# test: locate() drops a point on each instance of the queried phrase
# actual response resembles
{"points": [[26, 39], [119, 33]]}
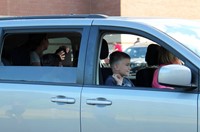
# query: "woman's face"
{"points": [[177, 61]]}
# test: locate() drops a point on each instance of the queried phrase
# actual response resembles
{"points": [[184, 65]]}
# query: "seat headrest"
{"points": [[104, 50], [152, 54]]}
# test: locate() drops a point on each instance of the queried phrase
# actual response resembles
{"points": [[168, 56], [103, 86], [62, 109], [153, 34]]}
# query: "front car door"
{"points": [[137, 109]]}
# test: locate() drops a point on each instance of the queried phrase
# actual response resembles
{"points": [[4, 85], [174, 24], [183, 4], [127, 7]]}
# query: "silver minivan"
{"points": [[74, 98]]}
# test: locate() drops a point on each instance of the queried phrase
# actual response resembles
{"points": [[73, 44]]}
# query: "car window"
{"points": [[17, 50], [134, 45]]}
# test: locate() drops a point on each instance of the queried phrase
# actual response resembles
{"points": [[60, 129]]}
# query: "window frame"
{"points": [[98, 31], [83, 30]]}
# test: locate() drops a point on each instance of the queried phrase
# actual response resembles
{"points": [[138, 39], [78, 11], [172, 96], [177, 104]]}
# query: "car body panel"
{"points": [[45, 22], [29, 108], [138, 110]]}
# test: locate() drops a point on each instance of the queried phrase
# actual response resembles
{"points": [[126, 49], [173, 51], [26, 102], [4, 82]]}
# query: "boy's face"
{"points": [[123, 67]]}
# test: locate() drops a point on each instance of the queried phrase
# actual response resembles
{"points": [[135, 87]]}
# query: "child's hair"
{"points": [[50, 60], [166, 57], [117, 56]]}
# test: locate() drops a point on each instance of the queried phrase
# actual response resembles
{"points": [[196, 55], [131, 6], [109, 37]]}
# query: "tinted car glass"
{"points": [[16, 58]]}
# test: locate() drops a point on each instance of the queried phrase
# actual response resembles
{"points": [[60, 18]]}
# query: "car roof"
{"points": [[100, 19], [59, 16], [92, 16]]}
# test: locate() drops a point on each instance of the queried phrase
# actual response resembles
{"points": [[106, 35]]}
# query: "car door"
{"points": [[37, 107], [121, 109], [42, 98], [136, 109]]}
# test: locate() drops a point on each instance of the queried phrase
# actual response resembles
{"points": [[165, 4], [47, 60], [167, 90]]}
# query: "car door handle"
{"points": [[98, 101], [63, 99]]}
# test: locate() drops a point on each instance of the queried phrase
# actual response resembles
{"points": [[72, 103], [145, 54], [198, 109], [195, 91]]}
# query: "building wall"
{"points": [[108, 7], [188, 9], [43, 7], [139, 8]]}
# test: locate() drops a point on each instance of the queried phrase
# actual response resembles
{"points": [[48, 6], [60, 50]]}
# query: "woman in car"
{"points": [[165, 58]]}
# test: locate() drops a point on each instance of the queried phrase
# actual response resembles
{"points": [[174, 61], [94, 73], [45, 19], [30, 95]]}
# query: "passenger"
{"points": [[164, 58], [120, 65], [40, 43], [51, 60]]}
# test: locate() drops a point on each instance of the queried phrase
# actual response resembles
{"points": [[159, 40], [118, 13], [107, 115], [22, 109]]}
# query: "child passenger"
{"points": [[120, 65], [51, 60]]}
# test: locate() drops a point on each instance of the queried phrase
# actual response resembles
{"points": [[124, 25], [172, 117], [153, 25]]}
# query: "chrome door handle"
{"points": [[63, 99], [98, 101]]}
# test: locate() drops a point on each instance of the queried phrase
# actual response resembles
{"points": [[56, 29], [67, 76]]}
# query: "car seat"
{"points": [[20, 57], [104, 72], [144, 77]]}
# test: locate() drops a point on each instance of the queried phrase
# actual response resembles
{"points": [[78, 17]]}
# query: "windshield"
{"points": [[185, 31]]}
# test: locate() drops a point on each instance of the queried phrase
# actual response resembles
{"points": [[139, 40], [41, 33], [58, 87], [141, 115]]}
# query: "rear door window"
{"points": [[21, 49]]}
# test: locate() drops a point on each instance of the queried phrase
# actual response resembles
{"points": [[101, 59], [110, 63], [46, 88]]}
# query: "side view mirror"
{"points": [[175, 75]]}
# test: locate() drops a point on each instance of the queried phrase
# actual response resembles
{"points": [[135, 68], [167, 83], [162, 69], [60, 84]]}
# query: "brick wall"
{"points": [[43, 7], [108, 7]]}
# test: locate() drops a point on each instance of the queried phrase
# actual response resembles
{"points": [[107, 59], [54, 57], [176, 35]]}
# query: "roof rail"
{"points": [[55, 16], [88, 15]]}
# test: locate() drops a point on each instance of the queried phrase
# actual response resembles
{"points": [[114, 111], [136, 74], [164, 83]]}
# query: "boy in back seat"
{"points": [[120, 65]]}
